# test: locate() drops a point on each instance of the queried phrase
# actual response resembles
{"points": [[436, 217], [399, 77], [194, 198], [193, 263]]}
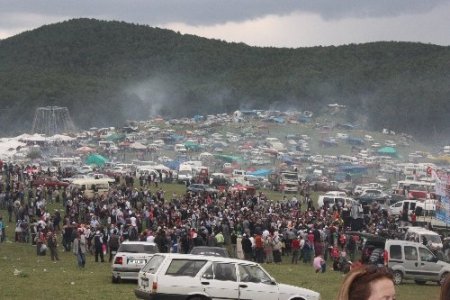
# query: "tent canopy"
{"points": [[387, 151], [96, 159], [261, 172]]}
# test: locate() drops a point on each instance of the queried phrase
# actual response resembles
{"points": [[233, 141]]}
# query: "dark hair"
{"points": [[355, 285], [445, 289]]}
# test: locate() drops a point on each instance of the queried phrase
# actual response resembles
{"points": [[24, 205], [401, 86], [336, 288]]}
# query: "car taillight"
{"points": [[154, 287], [118, 260], [386, 257]]}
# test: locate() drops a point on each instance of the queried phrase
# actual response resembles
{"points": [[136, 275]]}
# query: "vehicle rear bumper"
{"points": [[131, 274]]}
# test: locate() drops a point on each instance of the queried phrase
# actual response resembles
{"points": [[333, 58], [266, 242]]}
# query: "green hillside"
{"points": [[109, 72]]}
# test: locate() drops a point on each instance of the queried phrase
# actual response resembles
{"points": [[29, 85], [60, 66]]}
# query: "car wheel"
{"points": [[115, 279], [442, 279], [421, 282], [398, 277]]}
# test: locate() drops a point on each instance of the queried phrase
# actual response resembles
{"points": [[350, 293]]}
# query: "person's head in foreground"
{"points": [[368, 282], [445, 289]]}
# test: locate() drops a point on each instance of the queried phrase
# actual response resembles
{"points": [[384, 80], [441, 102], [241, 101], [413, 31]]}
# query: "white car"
{"points": [[130, 258], [195, 277]]}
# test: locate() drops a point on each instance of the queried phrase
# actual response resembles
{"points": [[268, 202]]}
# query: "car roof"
{"points": [[138, 243], [404, 242], [204, 257]]}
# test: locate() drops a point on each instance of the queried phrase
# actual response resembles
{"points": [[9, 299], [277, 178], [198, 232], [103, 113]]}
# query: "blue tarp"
{"points": [[353, 169], [260, 172]]}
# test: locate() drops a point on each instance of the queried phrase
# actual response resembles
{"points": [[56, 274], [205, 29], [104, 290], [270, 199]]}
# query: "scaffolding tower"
{"points": [[51, 120]]}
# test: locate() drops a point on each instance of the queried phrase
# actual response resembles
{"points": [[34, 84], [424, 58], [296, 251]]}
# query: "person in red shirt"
{"points": [[295, 247], [413, 218]]}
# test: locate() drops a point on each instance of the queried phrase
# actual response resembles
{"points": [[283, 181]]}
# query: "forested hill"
{"points": [[108, 72]]}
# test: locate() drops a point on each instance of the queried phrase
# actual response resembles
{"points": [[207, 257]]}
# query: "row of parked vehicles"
{"points": [[205, 273]]}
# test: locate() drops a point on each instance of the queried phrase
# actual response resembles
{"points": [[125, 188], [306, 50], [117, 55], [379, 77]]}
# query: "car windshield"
{"points": [[433, 238], [138, 248]]}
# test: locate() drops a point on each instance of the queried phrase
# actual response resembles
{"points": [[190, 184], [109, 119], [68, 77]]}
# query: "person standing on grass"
{"points": [[114, 242], [2, 230], [79, 248], [98, 246], [52, 245], [295, 247]]}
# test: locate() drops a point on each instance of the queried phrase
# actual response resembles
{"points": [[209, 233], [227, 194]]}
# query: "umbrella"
{"points": [[85, 149], [96, 159]]}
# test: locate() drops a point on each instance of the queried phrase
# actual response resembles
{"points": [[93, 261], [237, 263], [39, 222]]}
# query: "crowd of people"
{"points": [[252, 227]]}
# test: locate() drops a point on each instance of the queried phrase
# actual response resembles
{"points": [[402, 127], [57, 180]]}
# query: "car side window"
{"points": [[153, 264], [395, 252], [410, 253], [185, 267], [209, 274], [251, 273], [224, 271], [425, 254]]}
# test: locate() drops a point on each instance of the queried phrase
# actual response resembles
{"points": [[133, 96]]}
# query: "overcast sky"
{"points": [[277, 23]]}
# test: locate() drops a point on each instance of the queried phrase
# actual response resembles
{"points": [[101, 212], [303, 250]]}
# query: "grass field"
{"points": [[37, 277], [40, 278]]}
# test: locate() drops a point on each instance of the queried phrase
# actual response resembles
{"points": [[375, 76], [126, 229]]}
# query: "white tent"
{"points": [[137, 146], [8, 147], [61, 138]]}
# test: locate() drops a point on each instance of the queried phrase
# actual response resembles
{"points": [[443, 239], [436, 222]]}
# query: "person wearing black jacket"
{"points": [[247, 247]]}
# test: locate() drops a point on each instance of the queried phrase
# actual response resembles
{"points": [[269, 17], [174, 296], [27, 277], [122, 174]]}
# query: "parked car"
{"points": [[130, 258], [210, 251], [49, 182], [198, 188], [196, 277]]}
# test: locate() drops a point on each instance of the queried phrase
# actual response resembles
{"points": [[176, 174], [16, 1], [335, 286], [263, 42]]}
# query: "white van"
{"points": [[91, 187], [427, 207], [397, 208], [422, 235], [335, 197], [407, 259]]}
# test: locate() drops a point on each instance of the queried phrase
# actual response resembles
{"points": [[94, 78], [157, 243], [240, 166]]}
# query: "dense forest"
{"points": [[108, 72]]}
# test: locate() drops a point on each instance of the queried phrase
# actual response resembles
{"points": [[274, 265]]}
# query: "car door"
{"points": [[430, 268], [255, 283], [412, 263], [219, 281]]}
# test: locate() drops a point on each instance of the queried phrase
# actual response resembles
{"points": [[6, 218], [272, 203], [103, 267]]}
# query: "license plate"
{"points": [[144, 283], [137, 261]]}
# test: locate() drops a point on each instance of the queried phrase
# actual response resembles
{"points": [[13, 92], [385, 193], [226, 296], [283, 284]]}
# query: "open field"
{"points": [[39, 278]]}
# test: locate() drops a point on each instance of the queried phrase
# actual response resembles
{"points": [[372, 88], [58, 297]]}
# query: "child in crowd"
{"points": [[319, 264]]}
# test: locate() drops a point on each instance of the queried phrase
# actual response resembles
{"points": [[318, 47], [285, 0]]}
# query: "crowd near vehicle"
{"points": [[409, 260], [210, 251], [130, 258], [91, 187], [195, 277], [285, 181]]}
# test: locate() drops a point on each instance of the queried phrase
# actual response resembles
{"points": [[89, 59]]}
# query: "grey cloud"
{"points": [[207, 12]]}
